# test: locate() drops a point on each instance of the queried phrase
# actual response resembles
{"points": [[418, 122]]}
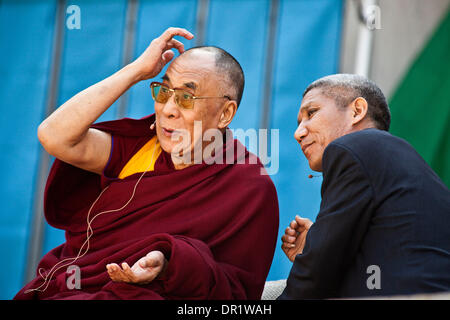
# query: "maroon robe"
{"points": [[216, 224]]}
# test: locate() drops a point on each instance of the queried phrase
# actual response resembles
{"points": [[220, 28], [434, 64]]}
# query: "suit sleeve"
{"points": [[334, 239]]}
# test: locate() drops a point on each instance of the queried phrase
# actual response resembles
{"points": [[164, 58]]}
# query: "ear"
{"points": [[359, 108], [228, 112]]}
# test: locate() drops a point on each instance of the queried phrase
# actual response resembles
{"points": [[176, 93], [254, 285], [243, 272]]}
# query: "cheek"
{"points": [[327, 129], [337, 130], [208, 116], [316, 151], [166, 144]]}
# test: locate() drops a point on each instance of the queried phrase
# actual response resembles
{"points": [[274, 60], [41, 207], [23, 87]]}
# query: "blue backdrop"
{"points": [[304, 46]]}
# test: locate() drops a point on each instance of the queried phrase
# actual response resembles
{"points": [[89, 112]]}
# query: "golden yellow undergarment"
{"points": [[143, 160]]}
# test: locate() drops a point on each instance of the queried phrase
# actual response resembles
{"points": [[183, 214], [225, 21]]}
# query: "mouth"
{"points": [[167, 131], [306, 146]]}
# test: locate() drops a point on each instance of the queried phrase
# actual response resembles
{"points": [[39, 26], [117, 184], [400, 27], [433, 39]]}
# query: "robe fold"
{"points": [[216, 224]]}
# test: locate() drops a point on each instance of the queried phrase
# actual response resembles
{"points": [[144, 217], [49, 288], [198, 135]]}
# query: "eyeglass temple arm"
{"points": [[195, 97]]}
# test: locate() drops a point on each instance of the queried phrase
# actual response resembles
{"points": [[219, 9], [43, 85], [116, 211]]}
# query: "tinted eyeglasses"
{"points": [[161, 93]]}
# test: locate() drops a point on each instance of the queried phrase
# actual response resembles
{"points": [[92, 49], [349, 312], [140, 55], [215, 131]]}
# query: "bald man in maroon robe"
{"points": [[140, 223]]}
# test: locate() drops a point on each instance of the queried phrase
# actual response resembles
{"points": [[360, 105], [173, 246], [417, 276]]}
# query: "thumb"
{"points": [[152, 259], [167, 56], [303, 222], [148, 262]]}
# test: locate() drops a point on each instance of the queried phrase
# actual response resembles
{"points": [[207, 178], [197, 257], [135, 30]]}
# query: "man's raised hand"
{"points": [[159, 53], [293, 240], [144, 271]]}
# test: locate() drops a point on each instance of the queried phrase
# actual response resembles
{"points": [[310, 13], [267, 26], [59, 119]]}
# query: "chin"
{"points": [[315, 165], [315, 168], [167, 146], [176, 149]]}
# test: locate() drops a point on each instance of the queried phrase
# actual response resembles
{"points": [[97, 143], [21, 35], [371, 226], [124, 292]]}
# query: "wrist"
{"points": [[161, 275], [134, 73]]}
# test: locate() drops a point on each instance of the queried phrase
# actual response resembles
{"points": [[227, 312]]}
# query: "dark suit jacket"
{"points": [[382, 207]]}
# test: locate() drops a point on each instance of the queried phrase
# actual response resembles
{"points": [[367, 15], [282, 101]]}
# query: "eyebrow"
{"points": [[303, 109], [166, 78], [190, 85]]}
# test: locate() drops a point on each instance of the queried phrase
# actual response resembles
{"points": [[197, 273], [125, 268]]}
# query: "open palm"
{"points": [[144, 271]]}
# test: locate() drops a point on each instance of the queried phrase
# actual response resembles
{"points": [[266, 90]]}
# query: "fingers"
{"points": [[289, 238], [142, 272], [115, 273], [166, 41], [112, 269], [128, 272], [118, 274], [287, 246], [172, 32], [173, 43], [294, 224], [290, 232], [288, 242]]}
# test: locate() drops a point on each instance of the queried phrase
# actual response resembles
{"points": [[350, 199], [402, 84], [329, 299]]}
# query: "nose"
{"points": [[170, 108], [300, 133]]}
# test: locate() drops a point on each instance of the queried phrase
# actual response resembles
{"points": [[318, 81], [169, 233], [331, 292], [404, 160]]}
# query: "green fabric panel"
{"points": [[420, 106]]}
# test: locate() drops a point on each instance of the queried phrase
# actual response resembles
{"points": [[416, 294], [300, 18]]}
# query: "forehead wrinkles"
{"points": [[319, 97], [306, 103], [183, 70]]}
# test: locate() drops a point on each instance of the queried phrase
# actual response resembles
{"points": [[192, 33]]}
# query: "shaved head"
{"points": [[227, 67]]}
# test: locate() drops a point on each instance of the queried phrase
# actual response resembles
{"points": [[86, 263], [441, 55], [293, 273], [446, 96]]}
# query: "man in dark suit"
{"points": [[384, 221]]}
